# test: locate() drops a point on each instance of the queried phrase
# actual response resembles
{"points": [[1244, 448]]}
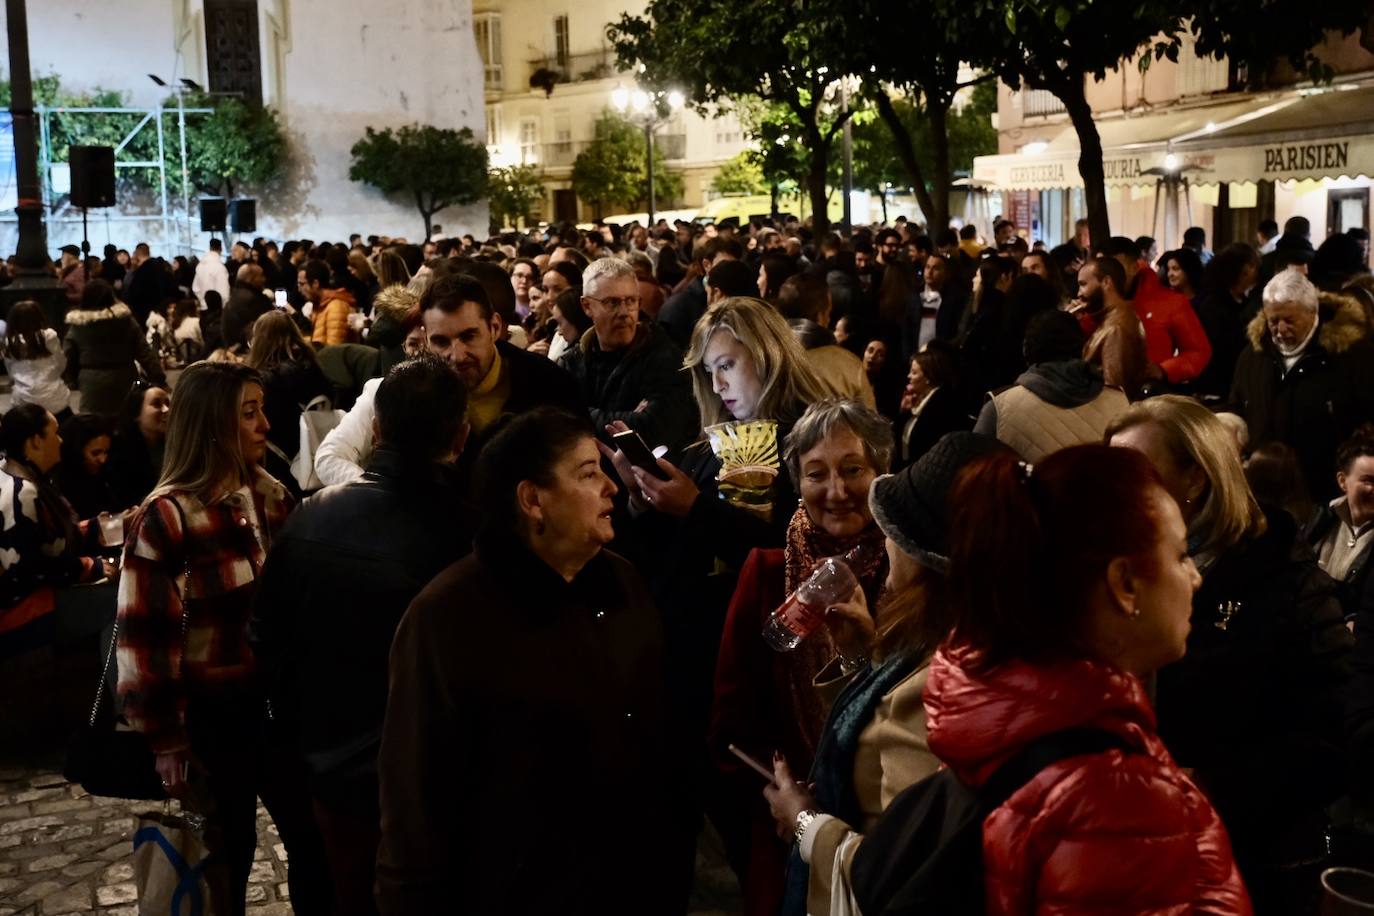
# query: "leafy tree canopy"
{"points": [[435, 167], [740, 175], [610, 171], [512, 193], [782, 51]]}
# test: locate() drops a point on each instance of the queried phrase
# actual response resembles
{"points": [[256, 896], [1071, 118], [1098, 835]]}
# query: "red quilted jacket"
{"points": [[1121, 833]]}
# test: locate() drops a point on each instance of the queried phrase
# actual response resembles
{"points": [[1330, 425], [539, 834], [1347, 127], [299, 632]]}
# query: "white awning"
{"points": [[1297, 134]]}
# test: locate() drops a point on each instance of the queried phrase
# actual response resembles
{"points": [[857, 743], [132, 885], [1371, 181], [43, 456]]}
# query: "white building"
{"points": [[332, 68], [1185, 144], [540, 40]]}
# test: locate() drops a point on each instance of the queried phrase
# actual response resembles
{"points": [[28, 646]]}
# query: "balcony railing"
{"points": [[573, 68], [561, 154], [1040, 102]]}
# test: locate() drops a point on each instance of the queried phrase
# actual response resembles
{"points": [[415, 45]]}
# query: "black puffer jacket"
{"points": [[613, 384], [340, 575], [1318, 403], [1255, 707]]}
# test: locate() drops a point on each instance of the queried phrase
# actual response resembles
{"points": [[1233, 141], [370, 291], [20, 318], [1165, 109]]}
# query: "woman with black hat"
{"points": [[874, 744]]}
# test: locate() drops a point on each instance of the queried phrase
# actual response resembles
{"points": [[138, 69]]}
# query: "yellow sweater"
{"points": [[488, 399]]}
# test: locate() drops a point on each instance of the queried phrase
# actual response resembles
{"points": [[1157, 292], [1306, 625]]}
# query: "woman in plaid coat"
{"points": [[186, 671]]}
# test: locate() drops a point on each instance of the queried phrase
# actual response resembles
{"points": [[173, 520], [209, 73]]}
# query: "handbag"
{"points": [[106, 757], [318, 419], [173, 867]]}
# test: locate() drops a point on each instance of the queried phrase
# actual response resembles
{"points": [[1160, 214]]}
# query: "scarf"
{"points": [[807, 545], [833, 771]]}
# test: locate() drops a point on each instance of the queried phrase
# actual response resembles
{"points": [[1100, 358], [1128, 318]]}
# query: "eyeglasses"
{"points": [[617, 303]]}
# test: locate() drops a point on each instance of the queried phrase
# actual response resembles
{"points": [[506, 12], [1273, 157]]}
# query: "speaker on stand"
{"points": [[212, 215], [243, 215], [92, 170]]}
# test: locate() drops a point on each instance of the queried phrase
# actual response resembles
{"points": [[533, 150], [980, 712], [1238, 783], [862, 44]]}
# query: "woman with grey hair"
{"points": [[764, 700]]}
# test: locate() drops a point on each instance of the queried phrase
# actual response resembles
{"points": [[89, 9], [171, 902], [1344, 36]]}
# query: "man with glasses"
{"points": [[629, 370]]}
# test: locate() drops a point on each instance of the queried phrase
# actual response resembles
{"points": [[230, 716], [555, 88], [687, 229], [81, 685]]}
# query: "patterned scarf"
{"points": [[807, 545]]}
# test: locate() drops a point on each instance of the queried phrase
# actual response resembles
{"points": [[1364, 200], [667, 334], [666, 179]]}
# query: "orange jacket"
{"points": [[330, 318]]}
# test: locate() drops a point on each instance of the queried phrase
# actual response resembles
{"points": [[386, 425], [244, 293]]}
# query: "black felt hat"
{"points": [[911, 506]]}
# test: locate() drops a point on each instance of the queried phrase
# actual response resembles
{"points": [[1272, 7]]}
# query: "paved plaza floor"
{"points": [[63, 851]]}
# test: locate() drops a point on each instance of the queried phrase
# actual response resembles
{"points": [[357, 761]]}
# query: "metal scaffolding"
{"points": [[56, 208]]}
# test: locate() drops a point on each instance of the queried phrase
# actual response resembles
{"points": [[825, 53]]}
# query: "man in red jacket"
{"points": [[1176, 344]]}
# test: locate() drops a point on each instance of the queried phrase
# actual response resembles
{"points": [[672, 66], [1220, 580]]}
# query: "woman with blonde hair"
{"points": [[691, 534], [187, 678], [1255, 707], [390, 269]]}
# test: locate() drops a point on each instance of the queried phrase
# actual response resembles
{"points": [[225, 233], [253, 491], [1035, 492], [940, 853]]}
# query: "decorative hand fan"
{"points": [[748, 453]]}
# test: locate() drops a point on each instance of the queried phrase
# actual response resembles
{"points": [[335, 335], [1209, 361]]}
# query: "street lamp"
{"points": [[650, 110]]}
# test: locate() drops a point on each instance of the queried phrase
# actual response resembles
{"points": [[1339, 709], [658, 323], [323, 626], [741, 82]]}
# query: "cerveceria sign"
{"points": [[1048, 172], [1299, 156]]}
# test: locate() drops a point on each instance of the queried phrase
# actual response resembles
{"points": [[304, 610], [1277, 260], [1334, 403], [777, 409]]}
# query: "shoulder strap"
{"points": [[1027, 763], [114, 632]]}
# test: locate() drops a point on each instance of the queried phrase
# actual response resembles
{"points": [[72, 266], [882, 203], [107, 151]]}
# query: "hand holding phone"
{"points": [[279, 298], [634, 449]]}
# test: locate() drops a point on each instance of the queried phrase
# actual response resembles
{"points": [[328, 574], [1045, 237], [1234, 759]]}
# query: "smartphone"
{"points": [[638, 453], [280, 299], [752, 763]]}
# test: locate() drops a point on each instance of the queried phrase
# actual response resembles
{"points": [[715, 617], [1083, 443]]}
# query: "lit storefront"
{"points": [[1224, 167]]}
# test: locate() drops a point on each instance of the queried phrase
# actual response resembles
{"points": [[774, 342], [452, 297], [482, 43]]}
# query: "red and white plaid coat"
{"points": [[210, 551]]}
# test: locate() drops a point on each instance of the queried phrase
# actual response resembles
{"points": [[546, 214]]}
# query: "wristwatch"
{"points": [[804, 819]]}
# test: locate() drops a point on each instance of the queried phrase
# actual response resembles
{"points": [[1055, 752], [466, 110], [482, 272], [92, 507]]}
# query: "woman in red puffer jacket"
{"points": [[1093, 593]]}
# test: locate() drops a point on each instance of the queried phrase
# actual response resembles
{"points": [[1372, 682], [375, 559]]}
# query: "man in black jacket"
{"points": [[336, 583], [629, 370], [1306, 377]]}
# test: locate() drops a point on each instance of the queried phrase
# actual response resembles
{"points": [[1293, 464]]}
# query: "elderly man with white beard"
{"points": [[1307, 377]]}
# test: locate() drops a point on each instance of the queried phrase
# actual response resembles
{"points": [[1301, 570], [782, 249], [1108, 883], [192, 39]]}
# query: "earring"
{"points": [[1134, 612]]}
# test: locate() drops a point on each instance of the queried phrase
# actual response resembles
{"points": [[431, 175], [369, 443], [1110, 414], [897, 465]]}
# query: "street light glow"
{"points": [[676, 99], [639, 101], [1171, 162], [620, 97]]}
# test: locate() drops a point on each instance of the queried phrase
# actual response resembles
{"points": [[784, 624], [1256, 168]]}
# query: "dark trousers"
{"points": [[352, 832], [239, 762]]}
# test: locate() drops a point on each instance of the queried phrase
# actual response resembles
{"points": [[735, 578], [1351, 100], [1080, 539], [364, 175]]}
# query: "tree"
{"points": [[237, 145], [1290, 32], [740, 175], [512, 192], [1056, 44], [914, 76], [908, 152], [437, 167], [234, 146], [610, 171], [782, 51]]}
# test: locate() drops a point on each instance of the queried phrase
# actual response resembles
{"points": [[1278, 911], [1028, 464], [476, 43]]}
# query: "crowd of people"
{"points": [[460, 557]]}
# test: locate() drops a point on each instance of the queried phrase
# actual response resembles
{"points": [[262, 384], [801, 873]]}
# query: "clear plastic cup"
{"points": [[1347, 892], [111, 529]]}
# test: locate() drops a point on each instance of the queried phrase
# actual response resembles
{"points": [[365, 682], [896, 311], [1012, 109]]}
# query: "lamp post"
{"points": [[33, 274], [650, 110]]}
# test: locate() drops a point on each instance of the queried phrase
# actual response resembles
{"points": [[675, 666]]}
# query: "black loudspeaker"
{"points": [[92, 176], [212, 214], [243, 215]]}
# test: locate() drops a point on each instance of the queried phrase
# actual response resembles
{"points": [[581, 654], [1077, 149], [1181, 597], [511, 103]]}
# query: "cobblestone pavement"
{"points": [[63, 851]]}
